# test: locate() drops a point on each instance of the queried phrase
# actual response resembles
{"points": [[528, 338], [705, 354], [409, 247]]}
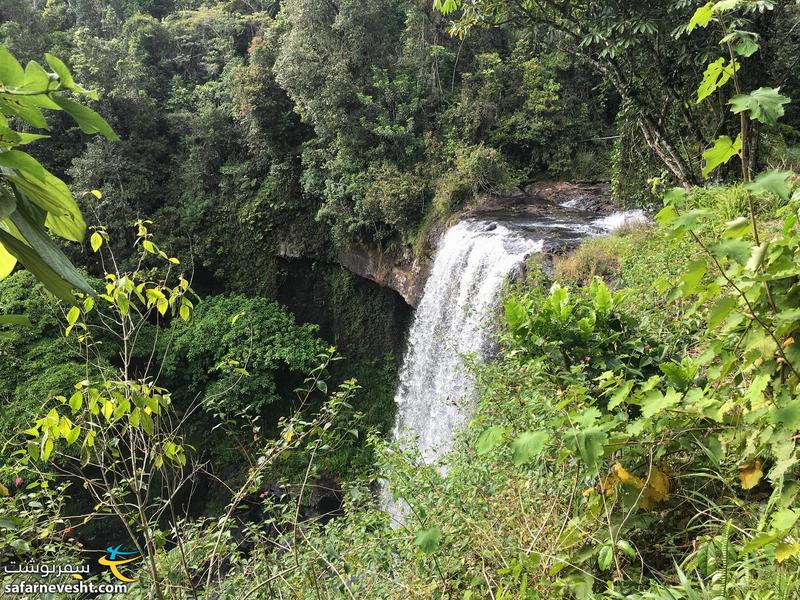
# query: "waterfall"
{"points": [[454, 318]]}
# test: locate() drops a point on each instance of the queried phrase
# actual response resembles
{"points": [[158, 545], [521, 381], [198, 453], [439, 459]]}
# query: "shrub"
{"points": [[37, 362], [240, 364], [394, 197], [477, 169]]}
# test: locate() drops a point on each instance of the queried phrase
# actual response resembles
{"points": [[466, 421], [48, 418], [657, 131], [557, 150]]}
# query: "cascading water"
{"points": [[458, 313], [454, 318]]}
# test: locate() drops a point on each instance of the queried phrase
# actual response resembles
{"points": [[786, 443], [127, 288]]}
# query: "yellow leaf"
{"points": [[658, 485], [96, 240], [609, 484], [3, 490], [784, 551], [750, 475], [7, 262], [645, 502], [97, 194], [655, 489], [162, 304], [108, 409], [627, 477]]}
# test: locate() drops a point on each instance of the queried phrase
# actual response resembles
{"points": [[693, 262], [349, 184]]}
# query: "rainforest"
{"points": [[383, 299]]}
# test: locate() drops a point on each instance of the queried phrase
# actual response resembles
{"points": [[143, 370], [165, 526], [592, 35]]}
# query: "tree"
{"points": [[640, 49]]}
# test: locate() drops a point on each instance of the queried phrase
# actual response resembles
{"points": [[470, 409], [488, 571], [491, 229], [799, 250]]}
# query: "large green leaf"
{"points": [[427, 540], [27, 138], [716, 75], [24, 110], [783, 520], [36, 78], [736, 228], [528, 446], [589, 444], [22, 161], [774, 182], [603, 302], [724, 149], [605, 557], [736, 249], [88, 120], [692, 276], [47, 249], [60, 69], [675, 197], [620, 395], [34, 263], [515, 314], [720, 311], [11, 73], [655, 402], [489, 439], [8, 137], [788, 415], [63, 215], [65, 77], [744, 43], [764, 104], [7, 204], [702, 16]]}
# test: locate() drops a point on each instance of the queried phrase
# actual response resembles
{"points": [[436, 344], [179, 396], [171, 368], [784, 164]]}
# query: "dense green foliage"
{"points": [[637, 434], [235, 349], [37, 362], [230, 127], [606, 456]]}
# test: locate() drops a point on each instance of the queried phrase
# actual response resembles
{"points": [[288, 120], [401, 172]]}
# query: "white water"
{"points": [[455, 317], [616, 220]]}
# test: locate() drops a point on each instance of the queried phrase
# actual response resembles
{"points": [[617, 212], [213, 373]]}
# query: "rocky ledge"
{"points": [[398, 270], [559, 213]]}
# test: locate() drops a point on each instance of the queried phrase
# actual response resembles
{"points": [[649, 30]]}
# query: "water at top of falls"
{"points": [[454, 318]]}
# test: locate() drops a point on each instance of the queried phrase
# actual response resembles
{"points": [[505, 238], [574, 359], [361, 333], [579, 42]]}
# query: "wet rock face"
{"points": [[590, 197], [544, 196], [398, 270]]}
